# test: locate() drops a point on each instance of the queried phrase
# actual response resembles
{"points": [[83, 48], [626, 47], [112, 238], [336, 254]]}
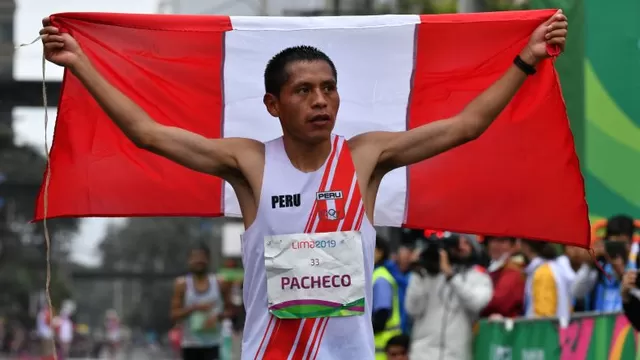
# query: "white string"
{"points": [[47, 238]]}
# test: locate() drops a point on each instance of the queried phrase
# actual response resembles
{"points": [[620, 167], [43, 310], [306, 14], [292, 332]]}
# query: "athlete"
{"points": [[198, 306], [307, 198]]}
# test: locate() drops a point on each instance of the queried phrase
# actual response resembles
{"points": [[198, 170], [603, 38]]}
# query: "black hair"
{"points": [[620, 225], [488, 239], [398, 340], [275, 74], [383, 245], [543, 249], [204, 248]]}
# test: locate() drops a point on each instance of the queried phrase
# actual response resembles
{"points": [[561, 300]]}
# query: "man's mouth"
{"points": [[320, 119]]}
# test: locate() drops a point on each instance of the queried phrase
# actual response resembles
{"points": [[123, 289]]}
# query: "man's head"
{"points": [[620, 228], [498, 246], [397, 348], [199, 260], [534, 248], [404, 257], [382, 250], [301, 89]]}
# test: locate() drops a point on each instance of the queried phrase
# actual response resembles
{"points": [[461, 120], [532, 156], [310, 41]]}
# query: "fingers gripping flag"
{"points": [[397, 72]]}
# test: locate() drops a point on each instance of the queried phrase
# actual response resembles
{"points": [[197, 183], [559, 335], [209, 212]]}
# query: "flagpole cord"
{"points": [[47, 238]]}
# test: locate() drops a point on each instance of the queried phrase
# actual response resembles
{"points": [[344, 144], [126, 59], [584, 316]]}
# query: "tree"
{"points": [[159, 245]]}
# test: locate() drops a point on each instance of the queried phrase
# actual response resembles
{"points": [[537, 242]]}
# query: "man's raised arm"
{"points": [[211, 156], [409, 147]]}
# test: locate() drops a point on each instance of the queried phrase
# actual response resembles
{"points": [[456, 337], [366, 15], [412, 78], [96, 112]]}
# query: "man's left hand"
{"points": [[211, 322], [552, 32]]}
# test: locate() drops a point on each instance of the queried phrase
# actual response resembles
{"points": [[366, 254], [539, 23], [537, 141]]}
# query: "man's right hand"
{"points": [[205, 307], [628, 283], [59, 48]]}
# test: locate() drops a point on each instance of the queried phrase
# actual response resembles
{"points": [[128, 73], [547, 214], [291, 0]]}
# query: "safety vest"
{"points": [[392, 327]]}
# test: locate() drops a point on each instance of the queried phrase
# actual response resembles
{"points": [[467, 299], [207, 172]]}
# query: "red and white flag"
{"points": [[395, 72]]}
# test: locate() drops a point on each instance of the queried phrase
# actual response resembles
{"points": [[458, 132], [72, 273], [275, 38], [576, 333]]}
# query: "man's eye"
{"points": [[303, 90]]}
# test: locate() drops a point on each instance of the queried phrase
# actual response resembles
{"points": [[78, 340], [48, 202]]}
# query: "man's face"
{"points": [[404, 258], [396, 352], [198, 262], [498, 247], [308, 102]]}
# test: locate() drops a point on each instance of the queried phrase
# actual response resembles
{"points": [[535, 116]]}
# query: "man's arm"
{"points": [[178, 311], [382, 304], [397, 149], [211, 156]]}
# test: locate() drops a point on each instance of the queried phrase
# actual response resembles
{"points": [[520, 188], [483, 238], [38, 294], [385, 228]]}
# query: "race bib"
{"points": [[315, 275]]}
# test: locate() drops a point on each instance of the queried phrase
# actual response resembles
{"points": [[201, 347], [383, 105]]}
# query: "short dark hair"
{"points": [[620, 225], [204, 248], [275, 74], [545, 250], [383, 245], [398, 340]]}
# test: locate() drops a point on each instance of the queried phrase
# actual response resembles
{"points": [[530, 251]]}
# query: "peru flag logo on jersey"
{"points": [[330, 205]]}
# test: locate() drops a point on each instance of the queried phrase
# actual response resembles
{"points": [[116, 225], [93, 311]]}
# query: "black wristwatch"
{"points": [[522, 65]]}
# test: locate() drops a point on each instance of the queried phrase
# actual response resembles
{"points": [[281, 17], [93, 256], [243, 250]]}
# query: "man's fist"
{"points": [[552, 32], [61, 49], [628, 283]]}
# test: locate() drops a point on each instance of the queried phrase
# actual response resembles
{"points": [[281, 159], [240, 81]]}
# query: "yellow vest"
{"points": [[392, 327]]}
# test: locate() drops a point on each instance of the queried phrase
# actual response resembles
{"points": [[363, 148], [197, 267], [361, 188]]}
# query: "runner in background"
{"points": [[112, 333], [198, 306]]}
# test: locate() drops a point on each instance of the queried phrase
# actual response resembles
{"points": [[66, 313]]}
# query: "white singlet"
{"points": [[288, 205]]}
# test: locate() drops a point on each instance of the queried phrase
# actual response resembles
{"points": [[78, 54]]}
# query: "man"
{"points": [[386, 301], [198, 306], [301, 189], [602, 292], [444, 300], [398, 348], [507, 278], [400, 268]]}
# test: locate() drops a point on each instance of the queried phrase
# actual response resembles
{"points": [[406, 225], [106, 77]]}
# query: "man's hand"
{"points": [[553, 32], [628, 283], [445, 265], [61, 49], [202, 307]]}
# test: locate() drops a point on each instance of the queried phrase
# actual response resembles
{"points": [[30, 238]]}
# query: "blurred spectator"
{"points": [[507, 278], [444, 301], [547, 288], [630, 300], [399, 268], [601, 291], [398, 348], [386, 303]]}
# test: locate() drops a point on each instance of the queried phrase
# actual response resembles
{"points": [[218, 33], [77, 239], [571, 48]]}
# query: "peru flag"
{"points": [[395, 72]]}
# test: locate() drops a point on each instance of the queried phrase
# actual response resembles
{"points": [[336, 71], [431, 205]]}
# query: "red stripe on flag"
{"points": [[95, 170], [522, 176]]}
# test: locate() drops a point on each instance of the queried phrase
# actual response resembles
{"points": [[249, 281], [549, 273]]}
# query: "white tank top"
{"points": [[287, 200]]}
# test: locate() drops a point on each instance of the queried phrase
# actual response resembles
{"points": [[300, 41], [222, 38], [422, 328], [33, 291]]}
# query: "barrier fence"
{"points": [[586, 337]]}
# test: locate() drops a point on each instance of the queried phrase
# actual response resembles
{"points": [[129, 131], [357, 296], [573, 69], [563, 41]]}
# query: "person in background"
{"points": [[444, 300], [631, 298], [45, 332], [547, 287], [397, 348], [400, 270], [507, 278], [601, 291], [198, 304], [65, 329], [386, 303]]}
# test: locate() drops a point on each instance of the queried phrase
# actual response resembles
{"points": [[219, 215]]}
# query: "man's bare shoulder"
{"points": [[368, 146], [180, 283]]}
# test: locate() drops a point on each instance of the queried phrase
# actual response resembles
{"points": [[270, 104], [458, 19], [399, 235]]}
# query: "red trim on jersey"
{"points": [[283, 337]]}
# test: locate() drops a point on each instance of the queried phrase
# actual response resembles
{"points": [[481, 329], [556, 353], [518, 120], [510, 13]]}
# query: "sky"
{"points": [[29, 122]]}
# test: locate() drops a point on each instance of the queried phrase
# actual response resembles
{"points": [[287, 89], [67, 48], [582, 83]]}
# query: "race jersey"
{"points": [[309, 251]]}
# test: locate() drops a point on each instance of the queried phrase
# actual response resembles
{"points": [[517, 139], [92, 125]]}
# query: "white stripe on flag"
{"points": [[374, 59]]}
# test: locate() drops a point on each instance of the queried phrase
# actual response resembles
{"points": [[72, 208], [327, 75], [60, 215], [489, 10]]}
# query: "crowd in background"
{"points": [[429, 313]]}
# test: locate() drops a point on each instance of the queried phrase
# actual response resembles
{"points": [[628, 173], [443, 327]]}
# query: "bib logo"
{"points": [[313, 244], [333, 209]]}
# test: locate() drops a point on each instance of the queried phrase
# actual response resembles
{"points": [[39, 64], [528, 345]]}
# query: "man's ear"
{"points": [[271, 102]]}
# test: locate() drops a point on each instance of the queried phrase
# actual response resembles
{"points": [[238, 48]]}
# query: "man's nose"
{"points": [[319, 99]]}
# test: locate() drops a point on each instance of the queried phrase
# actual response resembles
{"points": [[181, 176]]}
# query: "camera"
{"points": [[429, 259]]}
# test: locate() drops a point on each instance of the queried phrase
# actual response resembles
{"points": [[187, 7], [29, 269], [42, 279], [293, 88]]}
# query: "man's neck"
{"points": [[304, 156]]}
